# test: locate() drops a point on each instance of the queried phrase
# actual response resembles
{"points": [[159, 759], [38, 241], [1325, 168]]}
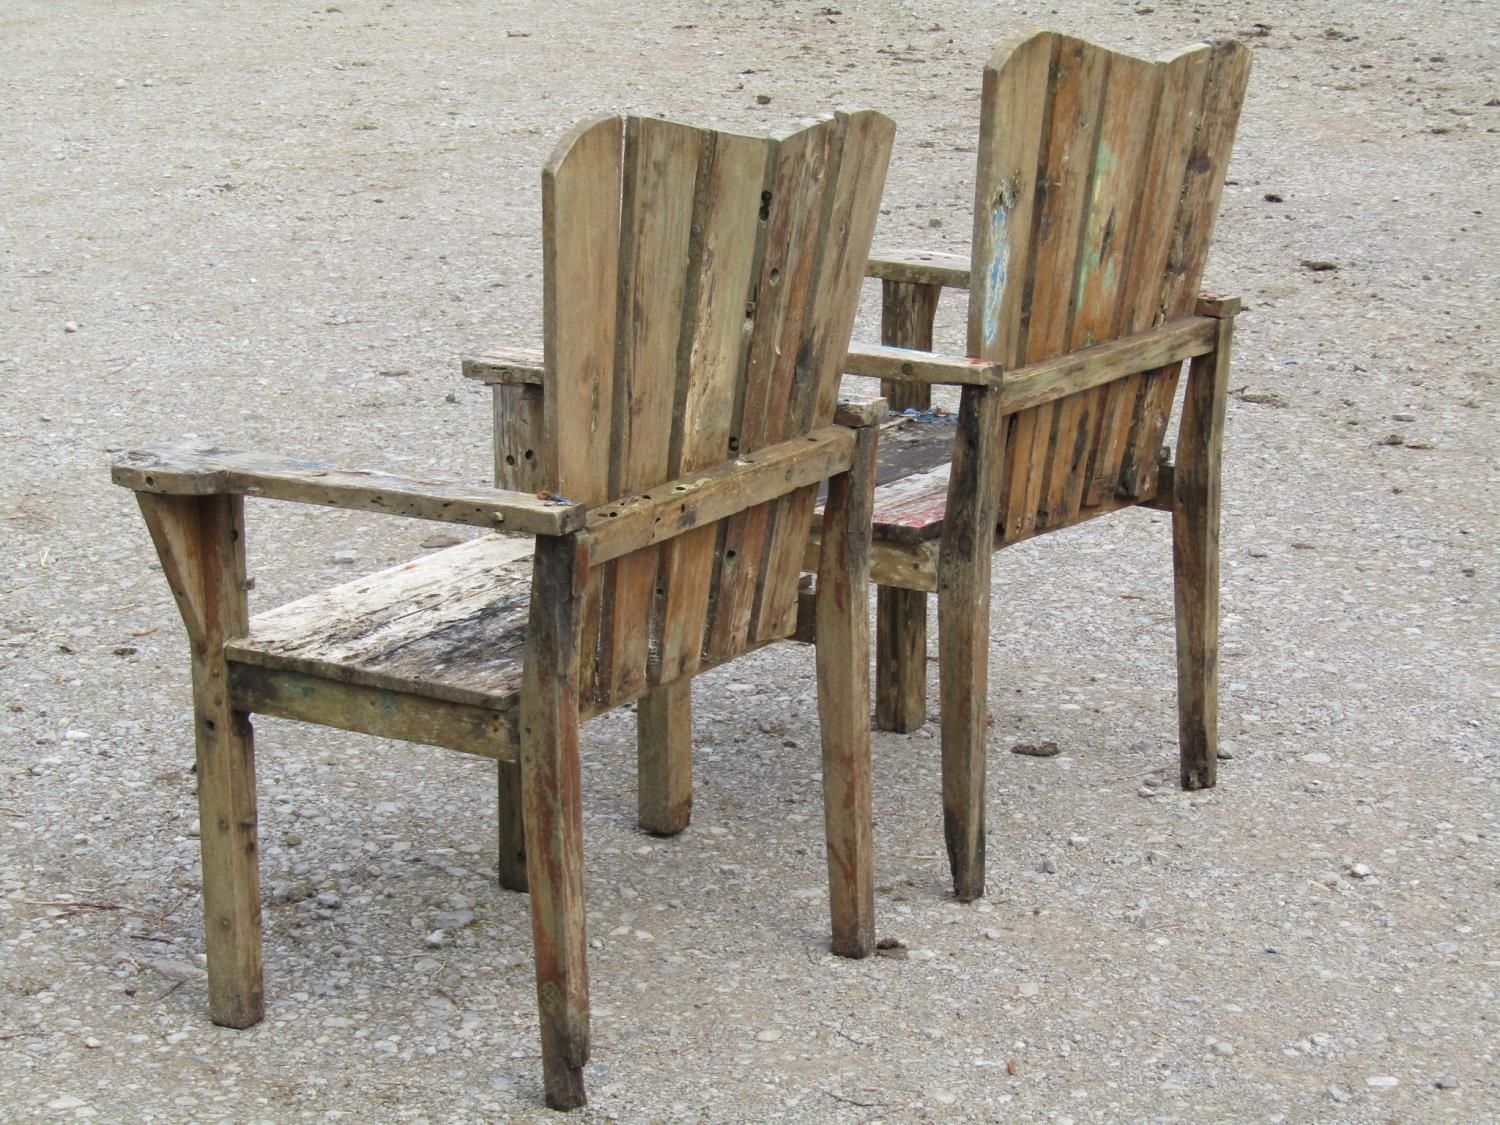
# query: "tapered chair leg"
{"points": [[664, 754], [843, 674], [1195, 556], [900, 659], [551, 780], [200, 540], [964, 630]]}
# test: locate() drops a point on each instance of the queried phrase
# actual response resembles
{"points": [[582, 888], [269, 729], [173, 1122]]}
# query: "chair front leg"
{"points": [[843, 664], [200, 540], [1195, 555], [963, 592], [551, 779]]}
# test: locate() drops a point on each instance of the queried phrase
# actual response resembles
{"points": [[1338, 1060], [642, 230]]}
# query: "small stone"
{"points": [[1340, 1095], [1446, 1082], [1329, 878], [1361, 870], [1382, 1081], [1318, 265], [395, 372], [195, 830], [1403, 417], [1316, 759], [1257, 552], [94, 1044], [435, 940], [441, 539], [291, 840], [70, 326], [120, 83], [990, 934], [762, 99], [1076, 841], [1048, 866], [1225, 752], [1028, 989], [67, 1101], [1392, 439], [894, 948], [344, 558], [452, 919], [770, 1035], [1145, 791], [934, 224], [1222, 1049], [1036, 749], [329, 900]]}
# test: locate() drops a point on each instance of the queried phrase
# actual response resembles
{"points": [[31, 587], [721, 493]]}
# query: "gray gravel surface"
{"points": [[277, 225]]}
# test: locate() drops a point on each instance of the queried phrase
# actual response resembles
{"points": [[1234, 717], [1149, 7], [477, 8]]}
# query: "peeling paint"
{"points": [[997, 270]]}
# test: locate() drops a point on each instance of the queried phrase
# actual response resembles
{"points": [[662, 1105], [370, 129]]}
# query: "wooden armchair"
{"points": [[700, 289], [1099, 176]]}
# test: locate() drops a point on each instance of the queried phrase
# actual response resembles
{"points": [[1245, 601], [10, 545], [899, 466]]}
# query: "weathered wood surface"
{"points": [[506, 365], [1196, 481], [187, 470], [695, 500], [898, 365], [920, 267], [490, 731], [450, 625], [843, 645], [664, 759], [552, 788], [201, 543], [518, 436]]}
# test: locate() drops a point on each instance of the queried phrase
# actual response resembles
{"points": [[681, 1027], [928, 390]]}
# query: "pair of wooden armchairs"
{"points": [[666, 454]]}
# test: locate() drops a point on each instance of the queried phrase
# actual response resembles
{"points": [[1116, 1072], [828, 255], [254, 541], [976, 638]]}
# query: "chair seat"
{"points": [[911, 509], [450, 625]]}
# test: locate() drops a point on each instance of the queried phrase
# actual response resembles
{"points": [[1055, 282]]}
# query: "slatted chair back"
{"points": [[1099, 177], [699, 292]]}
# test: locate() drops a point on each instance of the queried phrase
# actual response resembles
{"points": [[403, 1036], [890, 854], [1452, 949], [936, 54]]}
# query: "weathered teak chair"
{"points": [[700, 289], [1099, 177]]}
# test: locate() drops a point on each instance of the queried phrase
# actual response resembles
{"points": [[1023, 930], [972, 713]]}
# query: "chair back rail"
{"points": [[699, 291], [1099, 176]]}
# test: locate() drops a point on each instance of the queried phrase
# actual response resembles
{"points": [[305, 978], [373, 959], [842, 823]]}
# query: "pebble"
{"points": [[344, 558], [1403, 417], [1446, 1082], [1048, 866], [1029, 989], [1222, 1049], [441, 539], [770, 1035], [1361, 871], [1036, 749], [435, 940], [1316, 759], [1145, 791], [1340, 1095], [452, 919], [1076, 841], [329, 900], [1382, 1081], [1329, 878], [70, 326]]}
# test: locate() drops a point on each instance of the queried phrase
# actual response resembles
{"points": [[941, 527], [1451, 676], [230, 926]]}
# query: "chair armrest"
{"points": [[908, 366], [505, 365], [919, 267], [187, 470], [698, 499]]}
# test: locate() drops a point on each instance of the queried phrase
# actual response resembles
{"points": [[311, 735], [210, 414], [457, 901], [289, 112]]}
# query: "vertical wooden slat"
{"points": [[580, 295], [1120, 166], [851, 204], [728, 262], [1077, 83], [518, 423], [551, 775], [664, 758], [792, 205], [1166, 130], [1014, 110], [661, 168], [201, 543], [1228, 71]]}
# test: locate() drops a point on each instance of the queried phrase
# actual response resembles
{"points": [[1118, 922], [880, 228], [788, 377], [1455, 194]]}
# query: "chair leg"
{"points": [[1195, 558], [843, 664], [200, 540], [964, 631], [512, 828], [900, 659], [551, 780], [664, 753]]}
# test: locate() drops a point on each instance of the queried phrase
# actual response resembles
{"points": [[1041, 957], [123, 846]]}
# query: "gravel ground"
{"points": [[277, 225]]}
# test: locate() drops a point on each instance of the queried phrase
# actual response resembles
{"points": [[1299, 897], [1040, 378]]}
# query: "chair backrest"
{"points": [[1099, 177], [700, 288]]}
